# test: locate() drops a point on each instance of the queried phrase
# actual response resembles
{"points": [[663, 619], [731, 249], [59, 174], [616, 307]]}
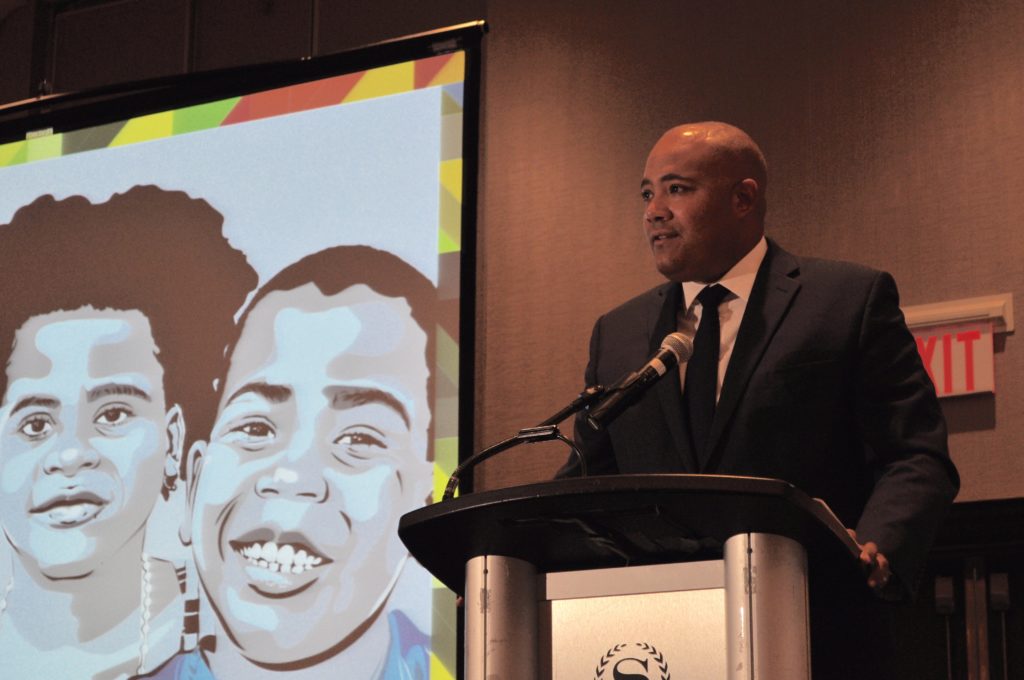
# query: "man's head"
{"points": [[107, 352], [704, 195], [321, 443]]}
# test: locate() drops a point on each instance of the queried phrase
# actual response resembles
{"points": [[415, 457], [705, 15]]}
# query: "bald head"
{"points": [[704, 194], [729, 151]]}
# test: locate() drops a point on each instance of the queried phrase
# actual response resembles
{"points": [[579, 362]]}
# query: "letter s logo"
{"points": [[627, 675]]}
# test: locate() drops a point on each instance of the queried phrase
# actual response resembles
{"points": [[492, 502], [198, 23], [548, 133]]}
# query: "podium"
{"points": [[633, 576]]}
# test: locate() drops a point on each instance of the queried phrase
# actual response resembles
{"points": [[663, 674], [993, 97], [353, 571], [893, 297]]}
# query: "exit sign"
{"points": [[959, 358]]}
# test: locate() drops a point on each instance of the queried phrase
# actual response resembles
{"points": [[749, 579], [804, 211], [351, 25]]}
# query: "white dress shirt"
{"points": [[740, 281]]}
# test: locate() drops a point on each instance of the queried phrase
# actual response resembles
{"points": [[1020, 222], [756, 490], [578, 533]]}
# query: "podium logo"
{"points": [[632, 661]]}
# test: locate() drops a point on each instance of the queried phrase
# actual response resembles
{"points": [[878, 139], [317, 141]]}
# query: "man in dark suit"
{"points": [[818, 379]]}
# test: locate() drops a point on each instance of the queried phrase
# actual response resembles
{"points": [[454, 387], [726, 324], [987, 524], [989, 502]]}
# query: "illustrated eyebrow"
{"points": [[45, 402], [108, 389], [275, 394], [350, 397]]}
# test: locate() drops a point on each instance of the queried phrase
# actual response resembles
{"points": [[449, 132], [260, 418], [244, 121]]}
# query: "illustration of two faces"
{"points": [[184, 495]]}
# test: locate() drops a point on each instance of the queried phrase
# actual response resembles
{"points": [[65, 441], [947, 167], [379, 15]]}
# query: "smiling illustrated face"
{"points": [[84, 438], [318, 448]]}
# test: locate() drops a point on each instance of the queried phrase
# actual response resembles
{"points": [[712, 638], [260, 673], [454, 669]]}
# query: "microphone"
{"points": [[675, 348]]}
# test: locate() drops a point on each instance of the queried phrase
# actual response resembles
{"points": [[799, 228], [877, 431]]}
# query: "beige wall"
{"points": [[895, 136], [894, 130]]}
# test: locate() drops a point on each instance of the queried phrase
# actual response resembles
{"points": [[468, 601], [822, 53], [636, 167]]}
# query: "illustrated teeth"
{"points": [[285, 556], [70, 514], [284, 559]]}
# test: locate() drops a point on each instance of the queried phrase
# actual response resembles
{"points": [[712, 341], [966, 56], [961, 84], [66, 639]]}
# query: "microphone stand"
{"points": [[585, 399], [547, 430]]}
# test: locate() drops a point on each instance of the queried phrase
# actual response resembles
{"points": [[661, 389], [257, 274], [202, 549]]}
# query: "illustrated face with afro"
{"points": [[115, 318], [85, 435]]}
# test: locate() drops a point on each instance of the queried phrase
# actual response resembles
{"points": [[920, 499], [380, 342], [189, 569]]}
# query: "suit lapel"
{"points": [[661, 322], [776, 284]]}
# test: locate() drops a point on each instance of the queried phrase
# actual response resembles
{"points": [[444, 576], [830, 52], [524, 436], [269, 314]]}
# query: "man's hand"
{"points": [[873, 562]]}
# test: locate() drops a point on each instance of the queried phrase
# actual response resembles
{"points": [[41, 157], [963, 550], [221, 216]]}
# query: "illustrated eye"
{"points": [[36, 426], [254, 432], [361, 443], [113, 415]]}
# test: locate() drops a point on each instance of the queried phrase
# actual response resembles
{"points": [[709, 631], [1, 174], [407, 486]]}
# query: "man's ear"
{"points": [[194, 465], [745, 197], [174, 426]]}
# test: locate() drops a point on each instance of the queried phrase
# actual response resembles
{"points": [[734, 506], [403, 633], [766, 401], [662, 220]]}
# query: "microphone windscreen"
{"points": [[680, 344]]}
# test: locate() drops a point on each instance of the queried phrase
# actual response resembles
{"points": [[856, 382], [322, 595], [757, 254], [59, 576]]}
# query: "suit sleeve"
{"points": [[905, 437], [595, 446]]}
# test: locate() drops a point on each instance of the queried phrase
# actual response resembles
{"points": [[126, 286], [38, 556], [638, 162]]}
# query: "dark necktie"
{"points": [[702, 371]]}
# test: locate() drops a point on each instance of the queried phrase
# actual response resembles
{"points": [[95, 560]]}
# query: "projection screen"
{"points": [[231, 326]]}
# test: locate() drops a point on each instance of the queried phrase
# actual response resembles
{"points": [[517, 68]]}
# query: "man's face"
{"points": [[319, 447], [84, 436], [689, 219]]}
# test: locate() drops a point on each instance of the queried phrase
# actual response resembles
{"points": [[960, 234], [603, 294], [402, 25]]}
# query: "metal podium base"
{"points": [[501, 618], [766, 608], [740, 618]]}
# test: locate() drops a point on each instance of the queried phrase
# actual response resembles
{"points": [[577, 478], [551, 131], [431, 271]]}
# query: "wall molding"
{"points": [[995, 308]]}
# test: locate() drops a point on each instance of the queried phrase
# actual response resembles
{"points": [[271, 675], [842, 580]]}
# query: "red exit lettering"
{"points": [[963, 363]]}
